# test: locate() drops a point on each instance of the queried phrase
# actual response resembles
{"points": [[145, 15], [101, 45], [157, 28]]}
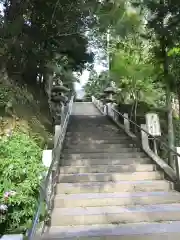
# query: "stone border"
{"points": [[12, 237]]}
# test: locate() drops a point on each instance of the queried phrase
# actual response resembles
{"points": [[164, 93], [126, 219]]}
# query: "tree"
{"points": [[156, 24], [96, 84], [133, 74], [36, 33], [175, 72]]}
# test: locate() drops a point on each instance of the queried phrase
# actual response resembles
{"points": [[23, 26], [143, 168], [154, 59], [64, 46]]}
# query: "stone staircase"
{"points": [[109, 189]]}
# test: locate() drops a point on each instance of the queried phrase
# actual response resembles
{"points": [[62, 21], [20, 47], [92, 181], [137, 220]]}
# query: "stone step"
{"points": [[102, 155], [104, 134], [97, 137], [89, 123], [109, 190], [115, 199], [115, 214], [109, 177], [111, 187], [96, 134], [97, 123], [94, 122], [95, 130], [95, 162], [132, 231], [98, 120], [108, 168], [81, 118], [70, 142], [100, 150], [86, 109], [97, 145]]}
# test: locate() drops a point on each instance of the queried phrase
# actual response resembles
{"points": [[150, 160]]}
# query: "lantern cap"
{"points": [[109, 90]]}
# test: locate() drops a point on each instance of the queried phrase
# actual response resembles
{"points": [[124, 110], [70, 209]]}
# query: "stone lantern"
{"points": [[108, 101], [58, 100], [109, 92]]}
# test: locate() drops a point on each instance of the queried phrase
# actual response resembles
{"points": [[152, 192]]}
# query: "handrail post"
{"points": [[114, 116], [126, 122], [178, 163], [105, 109], [57, 132], [110, 112], [144, 137]]}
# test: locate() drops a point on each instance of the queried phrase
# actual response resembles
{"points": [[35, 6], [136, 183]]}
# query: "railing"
{"points": [[47, 190], [99, 105], [150, 144]]}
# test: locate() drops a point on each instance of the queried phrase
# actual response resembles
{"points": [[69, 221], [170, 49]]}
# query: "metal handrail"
{"points": [[45, 182], [142, 129]]}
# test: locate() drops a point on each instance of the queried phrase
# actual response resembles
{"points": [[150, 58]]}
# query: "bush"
{"points": [[20, 171]]}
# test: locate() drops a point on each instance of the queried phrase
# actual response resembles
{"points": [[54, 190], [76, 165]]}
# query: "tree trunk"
{"points": [[178, 96], [170, 127], [169, 108]]}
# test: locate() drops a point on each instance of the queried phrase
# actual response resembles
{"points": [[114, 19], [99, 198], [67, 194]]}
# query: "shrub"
{"points": [[20, 177]]}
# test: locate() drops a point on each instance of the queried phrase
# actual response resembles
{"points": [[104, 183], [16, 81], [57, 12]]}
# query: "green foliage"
{"points": [[163, 28], [174, 51], [118, 17], [20, 172], [96, 84], [133, 74], [15, 95], [36, 33], [4, 96]]}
